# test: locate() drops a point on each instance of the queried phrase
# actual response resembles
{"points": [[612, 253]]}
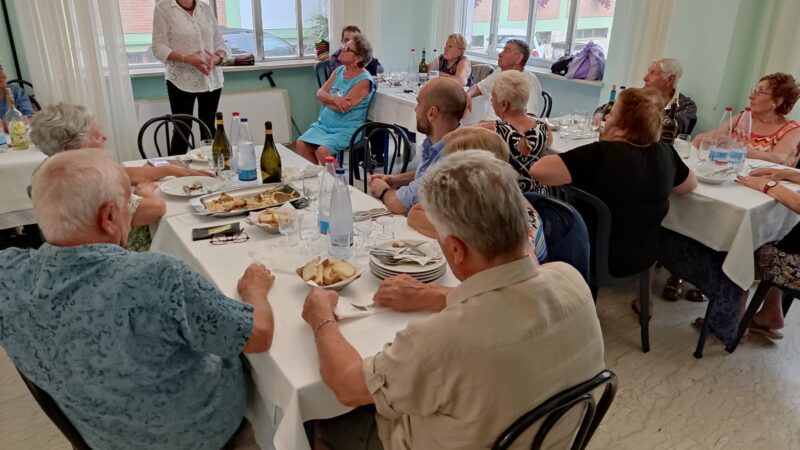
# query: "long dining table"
{"points": [[287, 388], [712, 235], [16, 171]]}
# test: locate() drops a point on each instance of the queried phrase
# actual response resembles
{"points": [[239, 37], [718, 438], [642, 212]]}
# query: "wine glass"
{"points": [[206, 152], [309, 231], [217, 164], [311, 192], [385, 233], [287, 225]]}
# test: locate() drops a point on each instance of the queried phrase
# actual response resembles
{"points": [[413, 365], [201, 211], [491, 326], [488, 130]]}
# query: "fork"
{"points": [[363, 307]]}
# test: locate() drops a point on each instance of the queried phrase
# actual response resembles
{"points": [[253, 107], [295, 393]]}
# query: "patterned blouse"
{"points": [[767, 142], [451, 70], [536, 139]]}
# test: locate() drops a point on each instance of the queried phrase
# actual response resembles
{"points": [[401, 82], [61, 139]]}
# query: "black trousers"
{"points": [[182, 102]]}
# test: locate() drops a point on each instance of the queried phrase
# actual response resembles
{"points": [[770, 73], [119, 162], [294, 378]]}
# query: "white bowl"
{"points": [[333, 287]]}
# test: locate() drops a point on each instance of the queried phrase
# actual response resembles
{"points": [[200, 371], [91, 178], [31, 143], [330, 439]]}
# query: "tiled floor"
{"points": [[667, 399]]}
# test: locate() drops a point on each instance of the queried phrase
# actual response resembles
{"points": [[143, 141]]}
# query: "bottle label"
{"points": [[247, 175], [219, 121], [323, 226], [268, 132]]}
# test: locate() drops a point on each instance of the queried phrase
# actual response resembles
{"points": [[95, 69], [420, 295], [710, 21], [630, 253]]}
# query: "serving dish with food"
{"points": [[244, 200]]}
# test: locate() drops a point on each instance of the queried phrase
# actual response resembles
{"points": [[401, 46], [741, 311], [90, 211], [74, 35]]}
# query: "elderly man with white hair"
{"points": [[663, 75], [508, 337], [137, 349]]}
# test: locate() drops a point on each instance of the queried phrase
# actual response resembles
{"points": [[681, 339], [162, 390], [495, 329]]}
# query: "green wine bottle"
{"points": [[423, 68], [221, 145], [270, 159]]}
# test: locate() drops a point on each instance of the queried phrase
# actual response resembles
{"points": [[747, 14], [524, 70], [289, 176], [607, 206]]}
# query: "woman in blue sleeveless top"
{"points": [[345, 99]]}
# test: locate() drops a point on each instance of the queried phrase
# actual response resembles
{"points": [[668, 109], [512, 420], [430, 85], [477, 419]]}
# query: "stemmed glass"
{"points": [[287, 225], [309, 231], [385, 233], [311, 192], [217, 164]]}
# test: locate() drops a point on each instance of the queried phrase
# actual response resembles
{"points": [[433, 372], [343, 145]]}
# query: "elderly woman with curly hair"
{"points": [[345, 99], [774, 137]]}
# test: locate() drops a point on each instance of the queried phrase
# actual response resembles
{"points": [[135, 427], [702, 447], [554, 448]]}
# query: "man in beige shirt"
{"points": [[511, 335]]}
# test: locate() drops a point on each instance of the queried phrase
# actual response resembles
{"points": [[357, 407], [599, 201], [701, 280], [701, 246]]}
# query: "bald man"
{"points": [[440, 105]]}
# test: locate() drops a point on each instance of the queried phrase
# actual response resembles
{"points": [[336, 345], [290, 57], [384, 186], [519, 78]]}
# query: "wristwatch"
{"points": [[770, 184], [383, 192]]}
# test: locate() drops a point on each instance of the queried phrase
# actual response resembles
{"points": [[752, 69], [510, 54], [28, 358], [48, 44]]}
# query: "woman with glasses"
{"points": [[345, 99], [773, 137]]}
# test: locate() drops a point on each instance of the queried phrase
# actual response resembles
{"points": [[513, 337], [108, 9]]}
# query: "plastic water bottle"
{"points": [[340, 235], [236, 127], [720, 151], [247, 153], [433, 67], [325, 191], [739, 147]]}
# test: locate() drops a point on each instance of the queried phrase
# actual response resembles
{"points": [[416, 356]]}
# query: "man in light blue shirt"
{"points": [[137, 349], [440, 105], [21, 99]]}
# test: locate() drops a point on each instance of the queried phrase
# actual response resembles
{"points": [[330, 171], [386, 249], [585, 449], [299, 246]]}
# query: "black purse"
{"points": [[561, 65]]}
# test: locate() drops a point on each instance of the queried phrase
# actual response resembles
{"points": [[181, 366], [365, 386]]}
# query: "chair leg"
{"points": [[752, 309], [787, 302], [644, 308], [701, 341]]}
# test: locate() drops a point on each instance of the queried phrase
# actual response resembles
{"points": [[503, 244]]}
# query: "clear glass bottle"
{"points": [[340, 233]]}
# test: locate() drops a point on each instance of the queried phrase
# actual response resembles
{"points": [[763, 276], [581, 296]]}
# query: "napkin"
{"points": [[430, 249], [344, 310], [292, 173]]}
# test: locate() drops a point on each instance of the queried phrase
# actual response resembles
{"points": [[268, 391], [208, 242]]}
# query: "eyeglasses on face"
{"points": [[346, 49], [757, 90]]}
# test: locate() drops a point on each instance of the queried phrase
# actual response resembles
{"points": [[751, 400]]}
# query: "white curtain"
{"points": [[76, 53], [639, 33], [365, 14], [445, 20], [782, 50]]}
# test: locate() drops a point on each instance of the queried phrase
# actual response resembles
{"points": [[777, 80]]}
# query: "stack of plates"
{"points": [[427, 273]]}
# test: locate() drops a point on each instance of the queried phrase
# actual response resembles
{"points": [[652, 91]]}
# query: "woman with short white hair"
{"points": [[527, 138]]}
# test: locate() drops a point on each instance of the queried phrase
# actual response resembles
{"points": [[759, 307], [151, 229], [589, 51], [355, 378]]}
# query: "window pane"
{"points": [[137, 24], [235, 18], [279, 18], [551, 22], [594, 23], [513, 24], [315, 24], [479, 16]]}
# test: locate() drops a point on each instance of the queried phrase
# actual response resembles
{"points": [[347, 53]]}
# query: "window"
{"points": [[266, 28], [552, 28]]}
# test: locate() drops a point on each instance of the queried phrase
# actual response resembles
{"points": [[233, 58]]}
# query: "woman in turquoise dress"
{"points": [[345, 99]]}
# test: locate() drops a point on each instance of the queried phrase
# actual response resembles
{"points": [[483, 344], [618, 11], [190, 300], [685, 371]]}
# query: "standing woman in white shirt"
{"points": [[186, 38]]}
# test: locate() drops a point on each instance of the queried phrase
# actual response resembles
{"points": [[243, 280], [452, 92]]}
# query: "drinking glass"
{"points": [[364, 236], [311, 192], [205, 151], [683, 145], [385, 233], [287, 225], [580, 118], [309, 231], [705, 147]]}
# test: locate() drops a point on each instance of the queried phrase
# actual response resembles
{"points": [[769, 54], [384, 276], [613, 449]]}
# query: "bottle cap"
{"points": [[330, 159], [340, 171], [243, 119], [728, 108], [747, 108], [268, 125], [235, 114]]}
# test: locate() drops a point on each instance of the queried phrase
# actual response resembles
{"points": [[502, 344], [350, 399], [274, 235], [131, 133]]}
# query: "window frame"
{"points": [[258, 29], [530, 31]]}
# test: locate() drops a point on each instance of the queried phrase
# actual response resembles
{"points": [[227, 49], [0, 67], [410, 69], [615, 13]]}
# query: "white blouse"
{"points": [[174, 29]]}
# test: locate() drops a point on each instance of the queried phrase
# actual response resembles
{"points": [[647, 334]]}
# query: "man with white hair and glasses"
{"points": [[663, 76], [137, 349], [511, 335]]}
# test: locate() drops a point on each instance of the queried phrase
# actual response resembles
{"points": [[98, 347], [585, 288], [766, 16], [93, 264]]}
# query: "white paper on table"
{"points": [[344, 310], [276, 257]]}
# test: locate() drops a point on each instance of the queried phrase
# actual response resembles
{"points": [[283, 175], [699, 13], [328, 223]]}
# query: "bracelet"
{"points": [[322, 324], [387, 189]]}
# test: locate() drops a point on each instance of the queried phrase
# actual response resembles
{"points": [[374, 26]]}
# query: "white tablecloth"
{"points": [[392, 105], [731, 218], [289, 389], [16, 170]]}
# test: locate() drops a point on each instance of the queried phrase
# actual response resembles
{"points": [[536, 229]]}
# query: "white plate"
{"points": [[409, 268], [391, 273], [716, 179], [196, 155], [426, 278], [175, 186]]}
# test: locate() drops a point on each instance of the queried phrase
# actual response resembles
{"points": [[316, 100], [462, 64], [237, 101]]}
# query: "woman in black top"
{"points": [[452, 63], [777, 262], [631, 172]]}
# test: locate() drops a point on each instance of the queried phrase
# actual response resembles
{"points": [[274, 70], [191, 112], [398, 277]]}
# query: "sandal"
{"points": [[695, 295], [635, 308], [699, 322], [673, 289], [767, 332]]}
